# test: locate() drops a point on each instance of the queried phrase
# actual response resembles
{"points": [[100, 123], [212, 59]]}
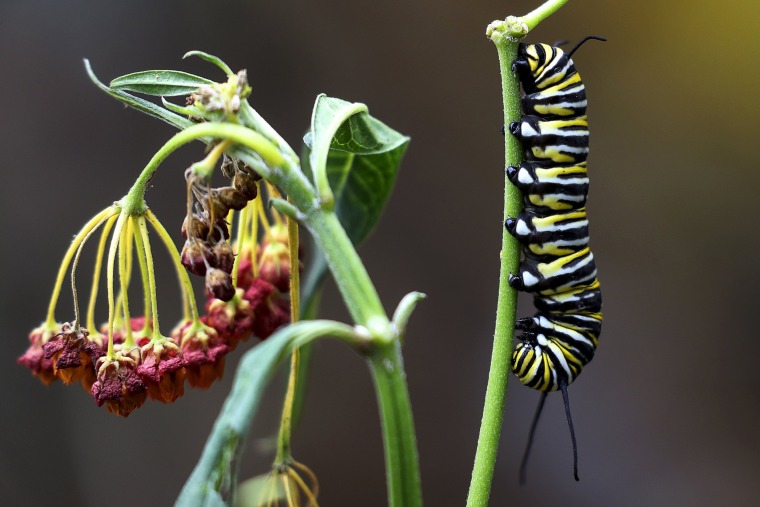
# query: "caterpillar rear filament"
{"points": [[557, 267]]}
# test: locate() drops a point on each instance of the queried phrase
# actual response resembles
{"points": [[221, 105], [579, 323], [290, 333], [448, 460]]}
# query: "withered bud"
{"points": [[219, 208], [195, 255], [228, 167], [195, 226], [245, 184], [249, 171], [231, 198], [221, 230], [224, 257], [219, 284]]}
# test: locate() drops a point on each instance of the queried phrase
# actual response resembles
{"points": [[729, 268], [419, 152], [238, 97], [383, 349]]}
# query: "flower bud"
{"points": [[224, 257], [221, 230], [231, 197], [195, 226], [196, 255], [219, 284], [245, 184], [275, 265]]}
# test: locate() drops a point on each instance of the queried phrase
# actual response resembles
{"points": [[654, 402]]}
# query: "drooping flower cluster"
{"points": [[206, 251], [127, 360]]}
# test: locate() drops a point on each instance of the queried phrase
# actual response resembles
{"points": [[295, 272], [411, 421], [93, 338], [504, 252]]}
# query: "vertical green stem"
{"points": [[109, 277], [401, 462], [283, 440], [493, 410], [505, 35]]}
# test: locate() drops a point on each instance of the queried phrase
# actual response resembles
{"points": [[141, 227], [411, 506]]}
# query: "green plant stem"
{"points": [[125, 246], [402, 472], [283, 439], [93, 222], [96, 274], [109, 279], [134, 203], [534, 17], [352, 279], [188, 296], [505, 35]]}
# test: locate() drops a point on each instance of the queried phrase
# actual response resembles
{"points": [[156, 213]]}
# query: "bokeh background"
{"points": [[668, 412]]}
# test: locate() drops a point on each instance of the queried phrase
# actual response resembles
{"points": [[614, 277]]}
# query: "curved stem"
{"points": [[147, 296], [134, 202], [96, 274], [109, 277], [67, 260], [188, 295], [534, 17], [151, 273], [77, 315]]}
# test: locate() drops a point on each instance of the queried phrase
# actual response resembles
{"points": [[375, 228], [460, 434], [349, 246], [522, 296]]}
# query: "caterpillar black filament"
{"points": [[557, 267]]}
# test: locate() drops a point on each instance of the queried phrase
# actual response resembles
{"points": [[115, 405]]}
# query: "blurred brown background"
{"points": [[667, 414]]}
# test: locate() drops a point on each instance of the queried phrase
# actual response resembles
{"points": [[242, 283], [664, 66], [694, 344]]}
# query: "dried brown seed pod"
{"points": [[224, 257], [231, 197], [245, 184], [219, 284], [196, 255]]}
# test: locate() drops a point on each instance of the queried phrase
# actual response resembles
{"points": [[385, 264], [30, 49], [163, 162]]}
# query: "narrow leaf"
{"points": [[213, 480], [163, 83], [138, 103], [211, 59]]}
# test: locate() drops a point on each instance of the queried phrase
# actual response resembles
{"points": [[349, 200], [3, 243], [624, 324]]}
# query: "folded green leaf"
{"points": [[162, 83], [140, 104], [363, 156]]}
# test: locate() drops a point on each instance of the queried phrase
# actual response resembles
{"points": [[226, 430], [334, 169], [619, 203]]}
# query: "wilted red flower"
{"points": [[203, 352], [120, 332], [162, 371], [271, 308], [34, 357], [233, 321], [118, 385], [73, 354], [274, 266]]}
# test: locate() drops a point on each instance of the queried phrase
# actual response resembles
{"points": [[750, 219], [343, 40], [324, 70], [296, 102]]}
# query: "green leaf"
{"points": [[211, 59], [163, 83], [140, 104], [363, 156], [213, 478]]}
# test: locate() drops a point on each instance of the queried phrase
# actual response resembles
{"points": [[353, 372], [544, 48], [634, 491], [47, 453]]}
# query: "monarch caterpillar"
{"points": [[557, 265]]}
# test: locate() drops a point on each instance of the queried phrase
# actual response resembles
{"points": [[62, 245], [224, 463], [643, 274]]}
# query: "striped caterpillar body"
{"points": [[557, 265]]}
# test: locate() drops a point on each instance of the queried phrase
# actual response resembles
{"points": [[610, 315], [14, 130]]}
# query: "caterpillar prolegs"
{"points": [[557, 265]]}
